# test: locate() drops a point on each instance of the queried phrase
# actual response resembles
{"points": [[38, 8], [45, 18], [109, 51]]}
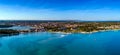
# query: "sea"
{"points": [[48, 43]]}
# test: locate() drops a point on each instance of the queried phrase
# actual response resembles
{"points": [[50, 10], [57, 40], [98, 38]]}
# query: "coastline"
{"points": [[67, 33], [99, 31], [84, 31]]}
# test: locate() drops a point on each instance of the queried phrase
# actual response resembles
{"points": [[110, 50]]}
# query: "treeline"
{"points": [[8, 32]]}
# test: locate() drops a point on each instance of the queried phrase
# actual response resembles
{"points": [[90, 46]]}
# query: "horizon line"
{"points": [[60, 20]]}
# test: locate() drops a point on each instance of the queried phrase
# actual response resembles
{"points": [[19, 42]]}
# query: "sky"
{"points": [[88, 10]]}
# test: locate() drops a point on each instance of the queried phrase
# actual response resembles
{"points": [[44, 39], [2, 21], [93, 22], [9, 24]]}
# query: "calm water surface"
{"points": [[45, 43]]}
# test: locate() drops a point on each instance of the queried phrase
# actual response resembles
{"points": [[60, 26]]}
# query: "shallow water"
{"points": [[45, 43]]}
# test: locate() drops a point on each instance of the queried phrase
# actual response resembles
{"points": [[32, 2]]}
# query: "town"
{"points": [[66, 26]]}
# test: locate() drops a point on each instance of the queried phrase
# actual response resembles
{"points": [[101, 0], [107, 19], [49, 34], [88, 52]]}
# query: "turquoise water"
{"points": [[19, 28], [45, 43]]}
